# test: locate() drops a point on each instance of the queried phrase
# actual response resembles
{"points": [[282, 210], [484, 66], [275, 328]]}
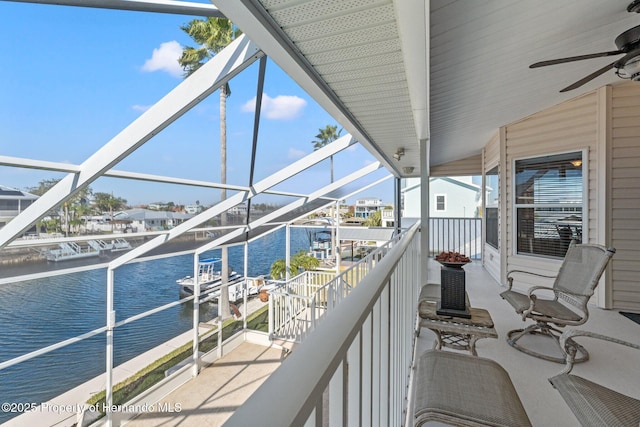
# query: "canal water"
{"points": [[38, 313]]}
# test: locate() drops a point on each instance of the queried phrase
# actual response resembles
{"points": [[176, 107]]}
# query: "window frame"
{"points": [[515, 206], [444, 202]]}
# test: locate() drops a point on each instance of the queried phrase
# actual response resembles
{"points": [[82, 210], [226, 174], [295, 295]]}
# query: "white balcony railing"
{"points": [[456, 234], [296, 307], [360, 355]]}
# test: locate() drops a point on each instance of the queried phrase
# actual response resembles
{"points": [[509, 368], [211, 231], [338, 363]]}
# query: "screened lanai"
{"points": [[417, 88], [167, 151]]}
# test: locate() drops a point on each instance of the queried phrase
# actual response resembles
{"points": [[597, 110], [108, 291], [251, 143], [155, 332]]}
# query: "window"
{"points": [[548, 203], [440, 202], [8, 205], [491, 207]]}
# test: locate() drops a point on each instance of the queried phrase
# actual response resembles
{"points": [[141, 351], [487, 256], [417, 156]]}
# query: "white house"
{"points": [[450, 197], [366, 206], [240, 209], [12, 202], [148, 220], [157, 206], [193, 209]]}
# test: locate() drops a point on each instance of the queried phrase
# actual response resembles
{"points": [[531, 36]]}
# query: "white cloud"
{"points": [[165, 58], [141, 108], [295, 154], [282, 107]]}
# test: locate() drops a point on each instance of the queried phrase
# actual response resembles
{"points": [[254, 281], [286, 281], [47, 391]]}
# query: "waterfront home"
{"points": [[366, 206], [140, 219], [12, 202], [429, 88], [193, 209]]}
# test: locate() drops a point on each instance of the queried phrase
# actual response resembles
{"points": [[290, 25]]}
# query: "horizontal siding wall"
{"points": [[492, 153], [464, 167], [625, 196], [570, 126]]}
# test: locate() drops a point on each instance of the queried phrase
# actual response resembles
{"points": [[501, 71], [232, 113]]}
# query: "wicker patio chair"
{"points": [[595, 405], [567, 305]]}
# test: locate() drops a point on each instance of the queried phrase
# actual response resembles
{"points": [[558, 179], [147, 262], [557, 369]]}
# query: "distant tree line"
{"points": [[69, 216]]}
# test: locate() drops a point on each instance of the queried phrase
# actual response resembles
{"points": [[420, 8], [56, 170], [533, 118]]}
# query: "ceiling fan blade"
{"points": [[575, 58], [589, 77]]}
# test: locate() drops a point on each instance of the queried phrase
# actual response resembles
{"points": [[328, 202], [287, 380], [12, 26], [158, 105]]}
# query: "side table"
{"points": [[454, 332]]}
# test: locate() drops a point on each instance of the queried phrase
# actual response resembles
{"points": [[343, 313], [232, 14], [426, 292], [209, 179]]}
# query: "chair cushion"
{"points": [[519, 301], [545, 307], [465, 390], [595, 405]]}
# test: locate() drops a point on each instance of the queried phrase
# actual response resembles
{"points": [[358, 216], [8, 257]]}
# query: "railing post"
{"points": [[196, 316], [336, 397], [246, 285], [271, 318], [219, 346], [111, 320], [313, 312]]}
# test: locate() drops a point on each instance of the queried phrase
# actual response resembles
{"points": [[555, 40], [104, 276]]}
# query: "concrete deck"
{"points": [[211, 397], [62, 410]]}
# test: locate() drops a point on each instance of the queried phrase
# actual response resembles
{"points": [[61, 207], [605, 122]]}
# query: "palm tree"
{"points": [[278, 269], [300, 261], [325, 137], [212, 35], [374, 220]]}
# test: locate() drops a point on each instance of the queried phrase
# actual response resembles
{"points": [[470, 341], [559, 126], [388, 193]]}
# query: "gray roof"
{"points": [[12, 193], [139, 214], [376, 234]]}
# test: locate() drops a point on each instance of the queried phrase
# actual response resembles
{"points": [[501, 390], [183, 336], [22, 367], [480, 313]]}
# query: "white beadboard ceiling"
{"points": [[392, 74]]}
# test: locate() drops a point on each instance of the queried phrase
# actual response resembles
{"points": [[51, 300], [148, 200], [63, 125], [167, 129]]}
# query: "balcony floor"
{"points": [[211, 398], [609, 364]]}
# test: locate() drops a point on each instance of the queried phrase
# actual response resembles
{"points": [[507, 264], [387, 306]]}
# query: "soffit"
{"points": [[353, 50], [480, 55]]}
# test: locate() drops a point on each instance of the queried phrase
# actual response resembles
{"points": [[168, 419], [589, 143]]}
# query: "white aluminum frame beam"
{"points": [[275, 179], [112, 173], [291, 206], [207, 79], [157, 6]]}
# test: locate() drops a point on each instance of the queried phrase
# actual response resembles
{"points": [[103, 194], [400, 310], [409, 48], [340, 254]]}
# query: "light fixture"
{"points": [[408, 169], [398, 154], [630, 69], [576, 163]]}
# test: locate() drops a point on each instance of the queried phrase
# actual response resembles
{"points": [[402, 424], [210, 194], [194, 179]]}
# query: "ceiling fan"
{"points": [[627, 67]]}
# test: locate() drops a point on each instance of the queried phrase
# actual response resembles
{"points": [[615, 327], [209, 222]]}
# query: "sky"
{"points": [[72, 78]]}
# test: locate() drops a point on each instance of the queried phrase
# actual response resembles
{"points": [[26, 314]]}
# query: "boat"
{"points": [[210, 281]]}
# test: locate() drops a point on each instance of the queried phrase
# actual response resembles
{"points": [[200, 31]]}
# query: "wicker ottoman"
{"points": [[464, 390]]}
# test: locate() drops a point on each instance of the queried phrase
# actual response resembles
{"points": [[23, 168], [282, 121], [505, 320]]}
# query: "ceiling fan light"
{"points": [[632, 69]]}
